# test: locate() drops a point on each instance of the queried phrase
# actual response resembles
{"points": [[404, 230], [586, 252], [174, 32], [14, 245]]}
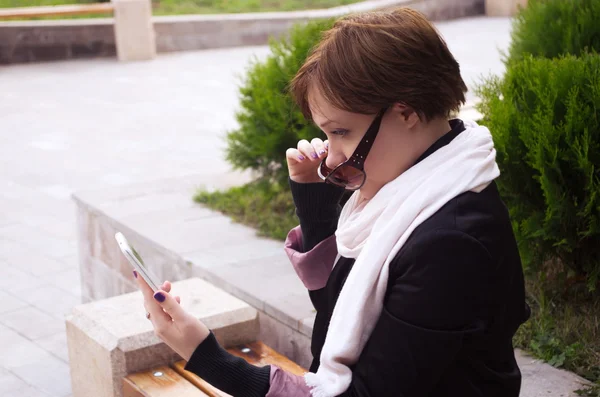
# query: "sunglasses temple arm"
{"points": [[364, 147]]}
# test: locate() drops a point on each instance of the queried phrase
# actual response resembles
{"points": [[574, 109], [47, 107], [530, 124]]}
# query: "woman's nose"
{"points": [[334, 158]]}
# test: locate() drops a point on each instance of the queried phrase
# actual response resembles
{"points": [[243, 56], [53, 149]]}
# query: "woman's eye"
{"points": [[339, 132]]}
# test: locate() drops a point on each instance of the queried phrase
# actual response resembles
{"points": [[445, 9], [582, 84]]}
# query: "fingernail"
{"points": [[322, 152], [134, 274], [301, 158], [314, 155], [159, 296]]}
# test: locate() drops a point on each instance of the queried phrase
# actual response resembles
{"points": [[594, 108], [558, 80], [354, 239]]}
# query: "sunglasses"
{"points": [[351, 173]]}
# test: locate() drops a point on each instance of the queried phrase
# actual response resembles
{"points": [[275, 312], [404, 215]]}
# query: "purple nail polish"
{"points": [[314, 155], [134, 274], [301, 158], [322, 152], [159, 296]]}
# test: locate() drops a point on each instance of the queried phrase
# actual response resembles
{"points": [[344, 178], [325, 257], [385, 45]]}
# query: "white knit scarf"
{"points": [[374, 233]]}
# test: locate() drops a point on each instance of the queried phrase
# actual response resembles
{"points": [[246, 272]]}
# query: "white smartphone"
{"points": [[136, 261]]}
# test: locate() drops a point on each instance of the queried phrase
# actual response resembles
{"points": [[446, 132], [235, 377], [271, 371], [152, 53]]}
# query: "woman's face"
{"points": [[392, 151]]}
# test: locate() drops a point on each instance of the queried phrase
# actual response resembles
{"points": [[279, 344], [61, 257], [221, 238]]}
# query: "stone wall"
{"points": [[105, 272], [55, 40], [70, 39]]}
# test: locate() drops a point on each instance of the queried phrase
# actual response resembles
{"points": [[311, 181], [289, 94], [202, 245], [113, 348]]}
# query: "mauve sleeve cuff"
{"points": [[284, 384], [313, 267]]}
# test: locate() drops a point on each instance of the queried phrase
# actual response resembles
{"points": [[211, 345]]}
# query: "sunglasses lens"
{"points": [[345, 176], [324, 170], [348, 177]]}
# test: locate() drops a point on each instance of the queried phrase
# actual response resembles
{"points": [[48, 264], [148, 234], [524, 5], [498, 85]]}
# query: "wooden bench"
{"points": [[53, 11], [175, 381]]}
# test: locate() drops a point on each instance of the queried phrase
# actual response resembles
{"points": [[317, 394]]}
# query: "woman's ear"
{"points": [[406, 114]]}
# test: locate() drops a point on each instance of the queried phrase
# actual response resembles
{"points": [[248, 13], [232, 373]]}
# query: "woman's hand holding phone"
{"points": [[181, 331]]}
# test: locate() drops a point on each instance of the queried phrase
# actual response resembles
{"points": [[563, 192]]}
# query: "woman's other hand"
{"points": [[304, 160]]}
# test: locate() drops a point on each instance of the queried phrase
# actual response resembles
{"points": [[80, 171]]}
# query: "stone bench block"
{"points": [[111, 338]]}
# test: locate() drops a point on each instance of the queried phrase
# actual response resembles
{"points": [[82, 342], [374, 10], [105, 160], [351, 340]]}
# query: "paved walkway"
{"points": [[69, 126]]}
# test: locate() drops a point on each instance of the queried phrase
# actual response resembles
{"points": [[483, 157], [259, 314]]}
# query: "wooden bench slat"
{"points": [[256, 353], [197, 381], [169, 384], [59, 10], [177, 382], [259, 354]]}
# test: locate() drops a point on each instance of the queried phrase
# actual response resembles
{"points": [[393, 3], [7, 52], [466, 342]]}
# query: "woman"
{"points": [[427, 288]]}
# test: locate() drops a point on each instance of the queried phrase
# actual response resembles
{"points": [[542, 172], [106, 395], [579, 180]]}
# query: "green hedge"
{"points": [[545, 118], [550, 28], [269, 121]]}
